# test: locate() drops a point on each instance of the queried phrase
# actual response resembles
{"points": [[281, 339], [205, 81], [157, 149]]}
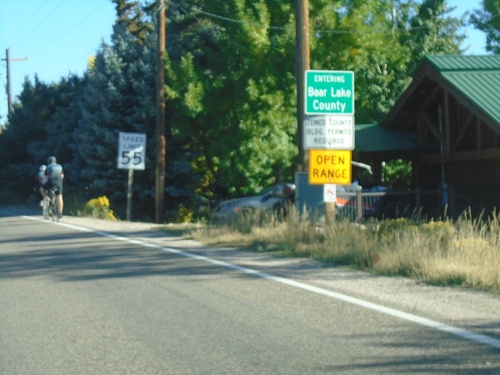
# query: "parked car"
{"points": [[279, 196], [275, 198], [346, 203]]}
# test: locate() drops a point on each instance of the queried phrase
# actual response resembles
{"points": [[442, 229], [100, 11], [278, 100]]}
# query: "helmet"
{"points": [[52, 159], [42, 168]]}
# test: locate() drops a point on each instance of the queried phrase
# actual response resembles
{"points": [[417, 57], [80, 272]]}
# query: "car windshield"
{"points": [[267, 191]]}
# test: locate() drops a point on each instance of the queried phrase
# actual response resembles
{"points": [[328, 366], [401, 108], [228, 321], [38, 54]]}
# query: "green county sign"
{"points": [[329, 92]]}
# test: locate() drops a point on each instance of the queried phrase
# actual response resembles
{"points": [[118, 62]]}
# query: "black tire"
{"points": [[54, 212], [45, 209]]}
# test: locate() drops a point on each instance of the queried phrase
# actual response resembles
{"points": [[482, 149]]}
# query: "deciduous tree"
{"points": [[487, 19]]}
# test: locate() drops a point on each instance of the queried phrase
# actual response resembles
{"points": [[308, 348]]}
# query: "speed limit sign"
{"points": [[132, 151]]}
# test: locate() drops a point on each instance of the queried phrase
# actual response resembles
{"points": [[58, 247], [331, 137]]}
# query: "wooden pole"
{"points": [[160, 115], [8, 59], [302, 64]]}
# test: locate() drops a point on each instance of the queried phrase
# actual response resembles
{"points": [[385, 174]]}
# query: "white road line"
{"points": [[465, 334]]}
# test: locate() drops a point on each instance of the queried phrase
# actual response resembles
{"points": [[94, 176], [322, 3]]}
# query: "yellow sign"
{"points": [[330, 167]]}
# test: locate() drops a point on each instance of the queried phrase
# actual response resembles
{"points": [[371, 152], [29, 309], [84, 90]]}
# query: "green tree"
{"points": [[37, 129], [487, 19], [230, 85], [432, 31], [130, 15], [382, 41], [57, 130], [354, 35], [233, 101], [119, 97], [397, 175]]}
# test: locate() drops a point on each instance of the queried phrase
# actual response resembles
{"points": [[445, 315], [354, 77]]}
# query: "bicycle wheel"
{"points": [[53, 206], [45, 209]]}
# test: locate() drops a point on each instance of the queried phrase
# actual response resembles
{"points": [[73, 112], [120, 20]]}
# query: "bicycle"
{"points": [[50, 207], [45, 209]]}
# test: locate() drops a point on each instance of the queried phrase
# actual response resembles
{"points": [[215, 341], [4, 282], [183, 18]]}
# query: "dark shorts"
{"points": [[56, 184]]}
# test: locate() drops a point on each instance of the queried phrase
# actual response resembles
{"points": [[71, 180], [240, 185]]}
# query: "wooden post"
{"points": [[302, 64], [160, 115]]}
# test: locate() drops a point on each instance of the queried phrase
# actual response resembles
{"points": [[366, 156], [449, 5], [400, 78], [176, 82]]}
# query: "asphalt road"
{"points": [[81, 301]]}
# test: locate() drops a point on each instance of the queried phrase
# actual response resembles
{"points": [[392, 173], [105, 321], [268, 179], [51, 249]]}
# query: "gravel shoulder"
{"points": [[472, 310]]}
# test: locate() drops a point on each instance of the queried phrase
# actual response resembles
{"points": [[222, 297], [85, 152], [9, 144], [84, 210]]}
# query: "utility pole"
{"points": [[302, 64], [9, 89], [160, 115]]}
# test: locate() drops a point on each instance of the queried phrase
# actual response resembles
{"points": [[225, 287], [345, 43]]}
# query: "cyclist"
{"points": [[55, 177], [40, 179]]}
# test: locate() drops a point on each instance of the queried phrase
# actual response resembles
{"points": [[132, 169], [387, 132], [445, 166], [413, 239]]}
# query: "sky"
{"points": [[54, 38]]}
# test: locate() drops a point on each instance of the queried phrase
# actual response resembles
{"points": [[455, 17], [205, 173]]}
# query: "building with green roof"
{"points": [[447, 123]]}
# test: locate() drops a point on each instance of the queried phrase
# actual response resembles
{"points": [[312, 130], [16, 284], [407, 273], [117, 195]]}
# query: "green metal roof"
{"points": [[476, 77], [372, 138]]}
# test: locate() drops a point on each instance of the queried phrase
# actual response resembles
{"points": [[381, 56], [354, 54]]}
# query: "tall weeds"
{"points": [[464, 252]]}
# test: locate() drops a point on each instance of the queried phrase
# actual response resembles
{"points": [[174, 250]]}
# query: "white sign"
{"points": [[329, 193], [334, 132], [132, 151]]}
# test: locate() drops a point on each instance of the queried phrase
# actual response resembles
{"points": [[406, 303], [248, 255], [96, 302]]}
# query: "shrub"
{"points": [[98, 208], [390, 228], [441, 232]]}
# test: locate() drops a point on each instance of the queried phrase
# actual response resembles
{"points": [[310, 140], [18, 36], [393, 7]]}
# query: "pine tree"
{"points": [[119, 97]]}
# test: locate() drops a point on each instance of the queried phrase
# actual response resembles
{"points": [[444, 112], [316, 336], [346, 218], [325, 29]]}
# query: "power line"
{"points": [[27, 21], [222, 18], [70, 29], [38, 18], [372, 31], [9, 93], [41, 22], [238, 21], [86, 56]]}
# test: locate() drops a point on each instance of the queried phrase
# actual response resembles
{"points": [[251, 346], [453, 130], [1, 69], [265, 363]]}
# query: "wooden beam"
{"points": [[480, 138], [463, 130], [447, 132], [433, 128], [471, 155], [437, 90], [422, 133]]}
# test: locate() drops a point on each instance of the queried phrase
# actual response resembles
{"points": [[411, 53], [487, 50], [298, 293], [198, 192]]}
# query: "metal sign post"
{"points": [[329, 128]]}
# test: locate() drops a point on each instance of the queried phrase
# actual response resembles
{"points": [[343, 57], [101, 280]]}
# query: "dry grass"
{"points": [[465, 252]]}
